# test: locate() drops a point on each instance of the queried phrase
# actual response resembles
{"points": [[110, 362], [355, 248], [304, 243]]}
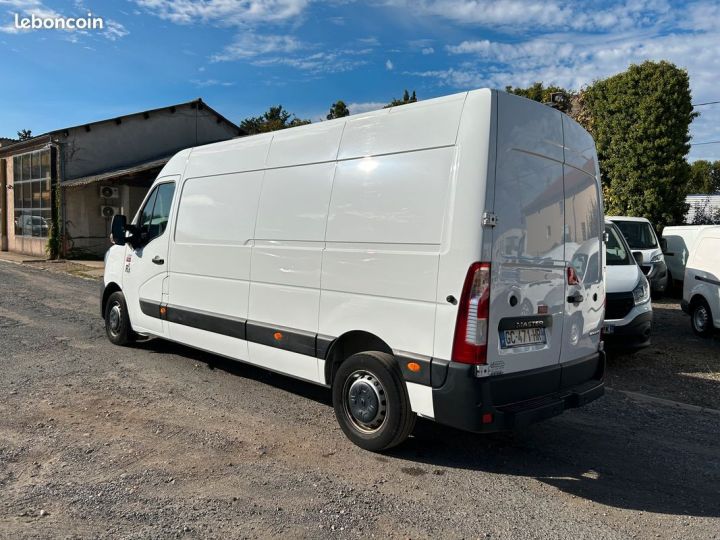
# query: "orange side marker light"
{"points": [[413, 366]]}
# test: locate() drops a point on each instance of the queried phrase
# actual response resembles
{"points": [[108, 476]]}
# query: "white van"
{"points": [[643, 241], [628, 309], [414, 259], [678, 242], [701, 288]]}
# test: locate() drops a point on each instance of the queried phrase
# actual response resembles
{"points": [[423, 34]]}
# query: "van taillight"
{"points": [[471, 328]]}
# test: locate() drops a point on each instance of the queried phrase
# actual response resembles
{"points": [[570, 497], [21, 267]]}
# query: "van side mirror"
{"points": [[638, 256], [118, 227], [663, 245]]}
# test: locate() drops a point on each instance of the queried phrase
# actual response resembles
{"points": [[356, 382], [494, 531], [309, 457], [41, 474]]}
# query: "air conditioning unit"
{"points": [[109, 192], [109, 211]]}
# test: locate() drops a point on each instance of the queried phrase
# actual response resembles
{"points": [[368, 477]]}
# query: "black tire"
{"points": [[117, 320], [701, 319], [371, 402]]}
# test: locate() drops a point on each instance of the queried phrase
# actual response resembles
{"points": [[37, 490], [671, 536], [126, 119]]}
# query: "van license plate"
{"points": [[522, 337]]}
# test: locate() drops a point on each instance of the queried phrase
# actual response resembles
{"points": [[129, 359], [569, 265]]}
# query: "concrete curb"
{"points": [[667, 402]]}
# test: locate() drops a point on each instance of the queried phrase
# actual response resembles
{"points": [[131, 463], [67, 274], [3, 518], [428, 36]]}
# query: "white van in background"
{"points": [[678, 242], [642, 239], [701, 288], [628, 309], [419, 260]]}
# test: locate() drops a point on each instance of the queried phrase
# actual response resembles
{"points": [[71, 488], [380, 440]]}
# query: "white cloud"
{"points": [[319, 62], [248, 45], [427, 50], [518, 16], [389, 65], [577, 58], [224, 12], [210, 82]]}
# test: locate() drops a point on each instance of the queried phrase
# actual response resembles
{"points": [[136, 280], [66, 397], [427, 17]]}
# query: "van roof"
{"points": [[627, 218]]}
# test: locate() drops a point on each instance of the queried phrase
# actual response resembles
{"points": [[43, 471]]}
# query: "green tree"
{"points": [[338, 110], [544, 94], [407, 98], [273, 119], [24, 134], [704, 177], [641, 118]]}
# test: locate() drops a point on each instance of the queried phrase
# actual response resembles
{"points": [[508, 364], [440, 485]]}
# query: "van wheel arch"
{"points": [[111, 288], [348, 344]]}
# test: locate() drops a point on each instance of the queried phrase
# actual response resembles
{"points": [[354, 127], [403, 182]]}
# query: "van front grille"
{"points": [[618, 305]]}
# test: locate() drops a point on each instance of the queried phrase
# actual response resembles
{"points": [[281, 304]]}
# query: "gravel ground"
{"points": [[162, 441], [678, 365]]}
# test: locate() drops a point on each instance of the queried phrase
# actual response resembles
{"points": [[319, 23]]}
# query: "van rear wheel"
{"points": [[371, 402], [701, 318], [117, 320]]}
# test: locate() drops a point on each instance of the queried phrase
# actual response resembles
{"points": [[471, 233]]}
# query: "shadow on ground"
{"points": [[611, 452]]}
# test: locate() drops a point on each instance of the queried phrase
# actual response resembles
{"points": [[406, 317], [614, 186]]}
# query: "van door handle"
{"points": [[575, 298], [158, 260]]}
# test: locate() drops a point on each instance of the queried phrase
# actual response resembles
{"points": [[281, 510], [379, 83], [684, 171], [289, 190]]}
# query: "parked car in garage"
{"points": [[628, 310], [701, 287], [645, 246]]}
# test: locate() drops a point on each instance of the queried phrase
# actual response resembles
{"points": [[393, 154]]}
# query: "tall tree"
{"points": [[641, 121], [24, 134], [407, 98], [544, 94], [338, 110], [273, 119], [704, 177]]}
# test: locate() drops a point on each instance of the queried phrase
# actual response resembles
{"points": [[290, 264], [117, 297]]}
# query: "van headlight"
{"points": [[641, 293], [657, 258]]}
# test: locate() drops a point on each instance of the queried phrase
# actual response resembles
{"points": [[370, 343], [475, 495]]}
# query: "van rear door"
{"points": [[527, 291], [584, 287]]}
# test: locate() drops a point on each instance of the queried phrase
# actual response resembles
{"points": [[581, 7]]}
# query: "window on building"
{"points": [[32, 193]]}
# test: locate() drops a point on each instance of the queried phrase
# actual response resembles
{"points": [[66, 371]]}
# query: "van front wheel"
{"points": [[371, 403], [117, 321]]}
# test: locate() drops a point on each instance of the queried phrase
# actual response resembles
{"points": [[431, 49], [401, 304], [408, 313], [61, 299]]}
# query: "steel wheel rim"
{"points": [[364, 401], [700, 318], [115, 319]]}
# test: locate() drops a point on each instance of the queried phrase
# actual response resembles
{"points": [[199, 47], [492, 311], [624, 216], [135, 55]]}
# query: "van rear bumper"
{"points": [[516, 400]]}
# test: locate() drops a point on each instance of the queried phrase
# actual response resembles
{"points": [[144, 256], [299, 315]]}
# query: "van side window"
{"points": [[156, 212]]}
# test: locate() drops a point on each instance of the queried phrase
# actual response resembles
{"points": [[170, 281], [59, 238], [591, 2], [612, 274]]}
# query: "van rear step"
{"points": [[482, 405], [520, 415]]}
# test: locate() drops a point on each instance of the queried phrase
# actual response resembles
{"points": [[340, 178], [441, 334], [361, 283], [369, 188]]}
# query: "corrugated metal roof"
{"points": [[117, 173]]}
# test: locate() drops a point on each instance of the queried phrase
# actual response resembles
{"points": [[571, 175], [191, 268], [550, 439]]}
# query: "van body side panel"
{"points": [[227, 157], [528, 267], [313, 143], [210, 256], [463, 234], [425, 124], [702, 275], [383, 238], [287, 256]]}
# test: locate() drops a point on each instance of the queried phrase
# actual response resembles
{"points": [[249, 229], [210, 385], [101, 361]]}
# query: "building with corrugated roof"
{"points": [[79, 177]]}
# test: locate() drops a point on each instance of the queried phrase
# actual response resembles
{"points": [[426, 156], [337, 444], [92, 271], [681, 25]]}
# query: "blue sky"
{"points": [[242, 56]]}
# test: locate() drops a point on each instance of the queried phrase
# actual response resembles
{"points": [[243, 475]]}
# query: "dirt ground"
{"points": [[159, 441]]}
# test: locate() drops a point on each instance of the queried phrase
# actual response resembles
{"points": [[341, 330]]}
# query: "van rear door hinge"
{"points": [[489, 219]]}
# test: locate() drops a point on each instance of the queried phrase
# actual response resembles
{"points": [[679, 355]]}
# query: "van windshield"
{"points": [[617, 252], [639, 234]]}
